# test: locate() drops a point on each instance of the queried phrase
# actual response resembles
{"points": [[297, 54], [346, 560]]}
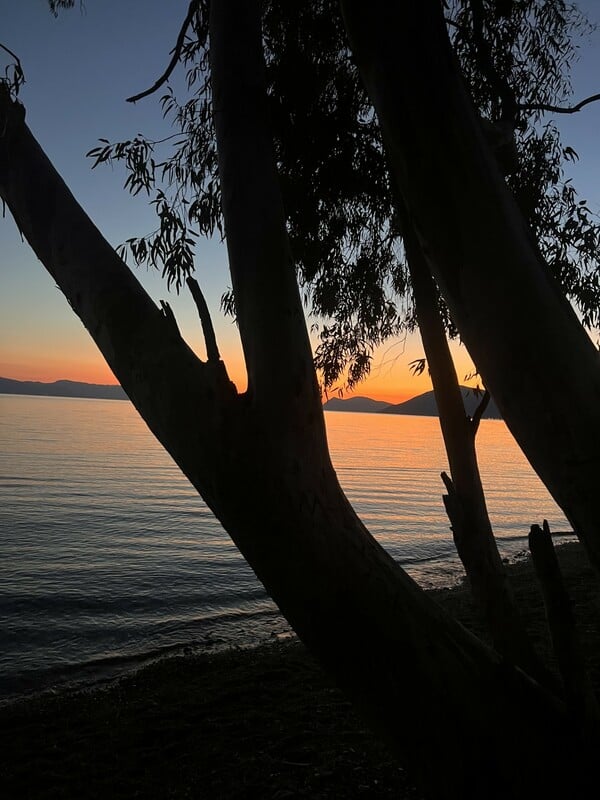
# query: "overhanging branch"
{"points": [[175, 57], [560, 109]]}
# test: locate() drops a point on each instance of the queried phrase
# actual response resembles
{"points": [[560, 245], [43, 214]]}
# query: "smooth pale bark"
{"points": [[465, 503], [537, 361], [443, 700]]}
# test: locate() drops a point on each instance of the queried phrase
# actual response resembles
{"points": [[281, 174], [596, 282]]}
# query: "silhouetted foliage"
{"points": [[55, 5], [260, 458], [517, 63], [339, 206]]}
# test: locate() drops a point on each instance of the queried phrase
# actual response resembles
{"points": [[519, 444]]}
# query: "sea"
{"points": [[109, 558]]}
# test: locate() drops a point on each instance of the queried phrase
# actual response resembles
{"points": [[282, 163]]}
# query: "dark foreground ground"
{"points": [[264, 724]]}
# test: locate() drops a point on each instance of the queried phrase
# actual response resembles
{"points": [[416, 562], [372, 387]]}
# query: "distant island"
{"points": [[63, 389], [361, 404], [423, 405]]}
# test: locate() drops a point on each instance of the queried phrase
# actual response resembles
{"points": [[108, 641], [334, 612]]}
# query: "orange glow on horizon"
{"points": [[84, 370], [393, 388], [62, 369], [391, 393], [392, 381], [98, 372], [76, 359]]}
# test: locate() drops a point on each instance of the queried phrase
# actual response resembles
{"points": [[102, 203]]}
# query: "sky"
{"points": [[79, 70]]}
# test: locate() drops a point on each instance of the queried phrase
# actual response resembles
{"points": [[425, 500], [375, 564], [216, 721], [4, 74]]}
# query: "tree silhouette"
{"points": [[260, 458]]}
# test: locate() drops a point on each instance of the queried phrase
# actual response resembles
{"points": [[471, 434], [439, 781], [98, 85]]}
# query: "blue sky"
{"points": [[79, 69]]}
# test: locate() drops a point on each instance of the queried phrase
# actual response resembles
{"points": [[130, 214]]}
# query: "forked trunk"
{"points": [[459, 716], [524, 337], [465, 502]]}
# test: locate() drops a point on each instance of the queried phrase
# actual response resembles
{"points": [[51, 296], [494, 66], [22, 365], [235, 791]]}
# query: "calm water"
{"points": [[107, 554]]}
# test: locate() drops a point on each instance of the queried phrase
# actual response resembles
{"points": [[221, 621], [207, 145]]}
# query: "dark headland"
{"points": [[423, 405], [63, 388]]}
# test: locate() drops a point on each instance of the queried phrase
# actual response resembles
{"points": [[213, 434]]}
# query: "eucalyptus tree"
{"points": [[485, 258], [260, 458], [347, 226]]}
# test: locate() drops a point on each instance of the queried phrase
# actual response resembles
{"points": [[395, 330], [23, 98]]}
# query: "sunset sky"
{"points": [[79, 69]]}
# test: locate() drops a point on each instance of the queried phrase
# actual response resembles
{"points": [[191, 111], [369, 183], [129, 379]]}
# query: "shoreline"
{"points": [[436, 575], [263, 722]]}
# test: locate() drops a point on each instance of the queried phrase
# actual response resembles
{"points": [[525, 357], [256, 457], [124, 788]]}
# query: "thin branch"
{"points": [[560, 109], [165, 139], [19, 75], [169, 315], [175, 58], [12, 55], [479, 411], [212, 351], [452, 24]]}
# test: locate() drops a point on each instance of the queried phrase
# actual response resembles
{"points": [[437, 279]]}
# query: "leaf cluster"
{"points": [[516, 58], [56, 5], [335, 187]]}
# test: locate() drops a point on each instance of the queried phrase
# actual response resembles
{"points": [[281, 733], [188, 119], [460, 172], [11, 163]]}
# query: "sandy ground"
{"points": [[263, 723]]}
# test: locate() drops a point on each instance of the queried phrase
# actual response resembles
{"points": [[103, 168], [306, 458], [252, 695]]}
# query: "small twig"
{"points": [[453, 508], [453, 24], [212, 351], [175, 58], [12, 113], [169, 315], [448, 483], [560, 109], [12, 55], [19, 75], [479, 411], [164, 139]]}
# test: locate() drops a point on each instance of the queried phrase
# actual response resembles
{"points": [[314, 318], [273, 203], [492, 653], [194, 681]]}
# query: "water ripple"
{"points": [[106, 552]]}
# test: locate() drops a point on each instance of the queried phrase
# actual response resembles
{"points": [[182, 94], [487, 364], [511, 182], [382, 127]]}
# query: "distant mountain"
{"points": [[363, 404], [424, 405], [62, 389]]}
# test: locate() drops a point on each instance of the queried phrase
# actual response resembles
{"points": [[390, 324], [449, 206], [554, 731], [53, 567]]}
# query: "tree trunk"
{"points": [[457, 714], [465, 503], [561, 625], [524, 337]]}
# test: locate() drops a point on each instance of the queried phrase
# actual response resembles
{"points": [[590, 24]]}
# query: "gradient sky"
{"points": [[79, 69]]}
